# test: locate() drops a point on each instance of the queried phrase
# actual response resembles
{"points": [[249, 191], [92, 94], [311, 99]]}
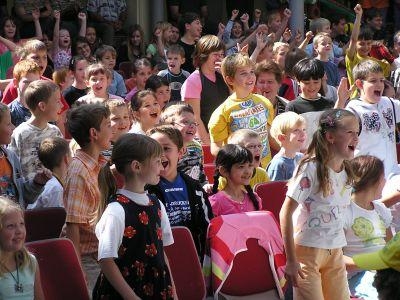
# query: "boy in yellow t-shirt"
{"points": [[242, 109], [359, 48]]}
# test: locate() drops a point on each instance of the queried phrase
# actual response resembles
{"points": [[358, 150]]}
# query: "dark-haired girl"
{"points": [[235, 164], [134, 227]]}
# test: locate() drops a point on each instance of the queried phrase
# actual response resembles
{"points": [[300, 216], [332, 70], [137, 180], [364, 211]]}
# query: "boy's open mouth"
{"points": [[377, 93], [257, 157], [154, 115], [165, 163], [351, 147]]}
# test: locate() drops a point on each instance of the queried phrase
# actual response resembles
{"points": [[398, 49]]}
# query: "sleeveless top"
{"points": [[212, 95], [141, 254]]}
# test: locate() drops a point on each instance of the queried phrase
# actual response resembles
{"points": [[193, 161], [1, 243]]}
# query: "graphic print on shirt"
{"points": [[364, 229], [252, 116], [372, 122]]}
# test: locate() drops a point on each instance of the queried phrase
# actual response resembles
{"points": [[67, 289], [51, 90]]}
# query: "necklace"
{"points": [[17, 286]]}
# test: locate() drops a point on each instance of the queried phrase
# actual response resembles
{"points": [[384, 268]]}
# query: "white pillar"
{"points": [[297, 18]]}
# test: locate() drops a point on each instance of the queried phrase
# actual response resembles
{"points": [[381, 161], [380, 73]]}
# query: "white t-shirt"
{"points": [[318, 220], [110, 228], [392, 185], [52, 195], [377, 136], [365, 229]]}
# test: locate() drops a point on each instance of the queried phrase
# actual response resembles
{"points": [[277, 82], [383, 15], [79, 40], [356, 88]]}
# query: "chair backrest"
{"points": [[247, 255], [209, 170], [60, 271], [185, 265], [272, 195], [208, 157], [44, 223], [255, 263]]}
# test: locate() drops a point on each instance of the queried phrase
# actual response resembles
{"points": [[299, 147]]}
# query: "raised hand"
{"points": [[287, 35], [235, 13], [57, 14], [35, 14], [244, 18], [287, 13]]}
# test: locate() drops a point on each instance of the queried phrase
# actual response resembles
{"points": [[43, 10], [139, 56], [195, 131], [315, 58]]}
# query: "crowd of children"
{"points": [[123, 150]]}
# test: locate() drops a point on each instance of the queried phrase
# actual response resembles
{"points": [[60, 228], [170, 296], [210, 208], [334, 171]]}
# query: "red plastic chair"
{"points": [[272, 195], [259, 280], [44, 223], [185, 265], [209, 170], [60, 271], [208, 157]]}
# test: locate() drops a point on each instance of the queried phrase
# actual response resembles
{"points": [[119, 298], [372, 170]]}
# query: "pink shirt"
{"points": [[222, 204], [191, 88]]}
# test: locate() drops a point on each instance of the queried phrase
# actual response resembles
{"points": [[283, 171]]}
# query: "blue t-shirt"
{"points": [[176, 201], [19, 113], [282, 168]]}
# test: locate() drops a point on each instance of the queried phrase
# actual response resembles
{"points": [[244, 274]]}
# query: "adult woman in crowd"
{"points": [[205, 88]]}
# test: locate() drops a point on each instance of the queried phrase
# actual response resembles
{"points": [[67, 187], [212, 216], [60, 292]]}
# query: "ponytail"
{"points": [[252, 197], [216, 181], [107, 187]]}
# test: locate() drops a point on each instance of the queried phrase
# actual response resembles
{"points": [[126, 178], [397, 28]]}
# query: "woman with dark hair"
{"points": [[205, 88]]}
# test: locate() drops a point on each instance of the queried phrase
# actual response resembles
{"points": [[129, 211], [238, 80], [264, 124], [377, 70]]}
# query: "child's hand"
{"points": [[42, 176], [158, 33], [57, 15], [298, 37], [257, 14], [244, 18], [262, 28], [82, 16], [343, 92], [235, 13], [217, 66], [271, 36], [244, 49], [221, 28], [292, 270], [261, 40], [35, 14], [358, 9], [287, 35], [287, 13], [309, 35]]}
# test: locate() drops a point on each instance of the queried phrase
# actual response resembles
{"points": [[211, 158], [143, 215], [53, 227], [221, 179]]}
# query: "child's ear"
{"points": [[93, 134], [183, 60], [42, 105], [281, 137], [135, 166], [359, 84], [223, 171], [87, 83], [181, 152], [229, 80], [329, 137]]}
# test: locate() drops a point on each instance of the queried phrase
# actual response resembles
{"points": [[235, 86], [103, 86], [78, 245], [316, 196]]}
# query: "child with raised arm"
{"points": [[289, 130], [311, 217], [134, 227], [242, 109], [235, 164], [61, 47], [43, 100], [376, 114]]}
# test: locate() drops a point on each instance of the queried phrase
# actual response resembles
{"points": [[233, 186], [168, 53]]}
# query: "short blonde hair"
{"points": [[277, 46], [319, 37], [232, 62], [24, 67], [239, 136], [285, 122]]}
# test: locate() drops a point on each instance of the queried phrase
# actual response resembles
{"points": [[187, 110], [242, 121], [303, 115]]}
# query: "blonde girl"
{"points": [[161, 37], [312, 215], [19, 270], [134, 227], [146, 111]]}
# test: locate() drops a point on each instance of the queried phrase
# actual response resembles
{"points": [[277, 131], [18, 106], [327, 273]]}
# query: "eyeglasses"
{"points": [[186, 123]]}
